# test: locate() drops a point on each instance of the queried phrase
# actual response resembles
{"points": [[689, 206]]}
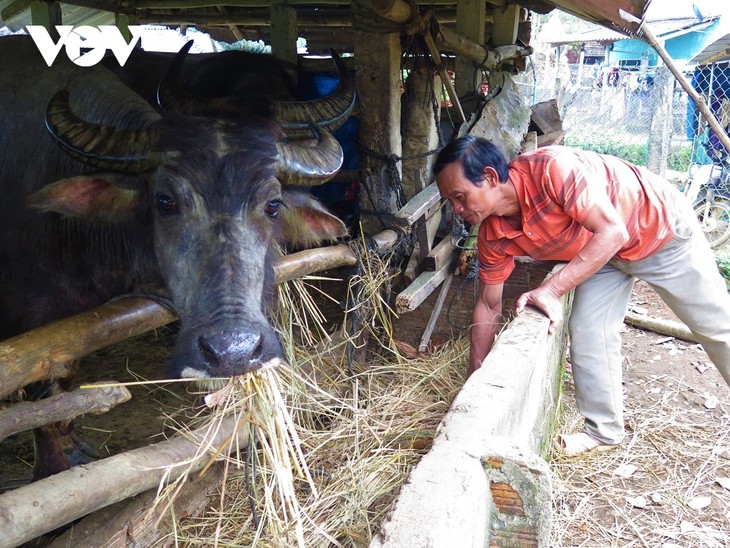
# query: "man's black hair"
{"points": [[474, 154]]}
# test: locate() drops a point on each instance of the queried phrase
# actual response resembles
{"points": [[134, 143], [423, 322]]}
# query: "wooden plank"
{"points": [[552, 138], [423, 346], [439, 255], [542, 124], [418, 205], [546, 114], [411, 298]]}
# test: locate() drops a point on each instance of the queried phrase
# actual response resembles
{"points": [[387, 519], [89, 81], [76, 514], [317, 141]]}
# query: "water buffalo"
{"points": [[109, 197]]}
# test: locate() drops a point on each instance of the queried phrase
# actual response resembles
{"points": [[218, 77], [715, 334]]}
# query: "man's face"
{"points": [[470, 202]]}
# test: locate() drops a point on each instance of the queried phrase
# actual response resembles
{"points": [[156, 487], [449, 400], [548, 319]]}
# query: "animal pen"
{"points": [[471, 474]]}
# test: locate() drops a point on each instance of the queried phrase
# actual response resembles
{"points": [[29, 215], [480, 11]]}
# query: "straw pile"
{"points": [[330, 442]]}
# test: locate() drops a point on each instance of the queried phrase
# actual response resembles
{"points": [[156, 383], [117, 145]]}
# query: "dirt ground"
{"points": [[668, 484]]}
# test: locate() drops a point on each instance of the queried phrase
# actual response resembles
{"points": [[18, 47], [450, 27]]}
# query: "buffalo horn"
{"points": [[102, 146], [294, 116], [301, 163], [329, 112]]}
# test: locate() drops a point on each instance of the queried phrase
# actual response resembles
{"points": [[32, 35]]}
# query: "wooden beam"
{"points": [[470, 16], [411, 298], [29, 511], [46, 351], [451, 41], [439, 255], [14, 9], [66, 406], [418, 205], [283, 32], [505, 25]]}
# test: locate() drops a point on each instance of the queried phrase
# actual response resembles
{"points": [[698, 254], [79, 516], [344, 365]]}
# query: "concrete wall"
{"points": [[484, 482]]}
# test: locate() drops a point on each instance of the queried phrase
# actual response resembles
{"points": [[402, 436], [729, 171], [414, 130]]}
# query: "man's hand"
{"points": [[544, 300]]}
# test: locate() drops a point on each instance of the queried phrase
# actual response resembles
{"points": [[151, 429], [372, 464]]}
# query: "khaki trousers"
{"points": [[685, 276]]}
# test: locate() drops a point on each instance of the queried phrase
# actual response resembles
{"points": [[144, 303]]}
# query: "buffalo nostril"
{"points": [[259, 350], [207, 351]]}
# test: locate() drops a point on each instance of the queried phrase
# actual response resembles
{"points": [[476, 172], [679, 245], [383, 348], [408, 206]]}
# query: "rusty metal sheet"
{"points": [[605, 12]]}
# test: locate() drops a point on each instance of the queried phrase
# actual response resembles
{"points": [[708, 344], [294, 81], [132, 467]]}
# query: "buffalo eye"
{"points": [[167, 205], [272, 208]]}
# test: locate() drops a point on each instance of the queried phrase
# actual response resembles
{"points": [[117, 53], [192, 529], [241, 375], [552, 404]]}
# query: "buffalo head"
{"points": [[214, 197]]}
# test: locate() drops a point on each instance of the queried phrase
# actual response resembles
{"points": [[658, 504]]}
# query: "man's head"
{"points": [[469, 172], [473, 154]]}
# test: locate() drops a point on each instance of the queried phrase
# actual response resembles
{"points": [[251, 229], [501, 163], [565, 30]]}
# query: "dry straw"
{"points": [[327, 443], [666, 485]]}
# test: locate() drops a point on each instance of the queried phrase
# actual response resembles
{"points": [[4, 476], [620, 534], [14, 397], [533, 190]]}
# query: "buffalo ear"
{"points": [[306, 222], [93, 197]]}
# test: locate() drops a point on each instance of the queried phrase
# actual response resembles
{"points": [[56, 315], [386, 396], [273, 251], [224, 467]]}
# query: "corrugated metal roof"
{"points": [[717, 51], [660, 28]]}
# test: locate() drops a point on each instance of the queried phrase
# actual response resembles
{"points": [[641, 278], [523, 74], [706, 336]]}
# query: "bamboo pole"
{"points": [[45, 352], [663, 327], [27, 415], [28, 511]]}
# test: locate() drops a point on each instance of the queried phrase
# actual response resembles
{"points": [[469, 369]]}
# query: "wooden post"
{"points": [[470, 16], [506, 21], [283, 31], [660, 133], [422, 95], [377, 60], [122, 22], [47, 14]]}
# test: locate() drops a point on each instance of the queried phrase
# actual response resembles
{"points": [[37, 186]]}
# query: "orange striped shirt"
{"points": [[556, 188]]}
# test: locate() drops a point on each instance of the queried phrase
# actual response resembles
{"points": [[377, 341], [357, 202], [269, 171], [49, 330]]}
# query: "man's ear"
{"points": [[491, 178]]}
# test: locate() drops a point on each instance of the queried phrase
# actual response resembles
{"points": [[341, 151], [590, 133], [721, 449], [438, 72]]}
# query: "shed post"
{"points": [[470, 16], [506, 22], [377, 59], [283, 31], [47, 14], [660, 133]]}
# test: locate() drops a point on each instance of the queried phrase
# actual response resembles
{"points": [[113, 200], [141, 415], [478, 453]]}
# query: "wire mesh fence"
{"points": [[642, 114], [637, 113]]}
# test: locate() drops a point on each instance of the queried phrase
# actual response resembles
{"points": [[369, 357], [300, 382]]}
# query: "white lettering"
{"points": [[85, 45], [45, 44]]}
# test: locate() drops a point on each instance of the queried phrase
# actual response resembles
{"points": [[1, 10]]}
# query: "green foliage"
{"points": [[680, 158], [611, 143], [722, 259], [627, 147]]}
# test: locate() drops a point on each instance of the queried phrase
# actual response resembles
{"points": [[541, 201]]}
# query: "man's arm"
{"points": [[484, 322], [609, 236]]}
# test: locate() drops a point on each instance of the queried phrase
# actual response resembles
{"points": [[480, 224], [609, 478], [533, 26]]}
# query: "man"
{"points": [[611, 222]]}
